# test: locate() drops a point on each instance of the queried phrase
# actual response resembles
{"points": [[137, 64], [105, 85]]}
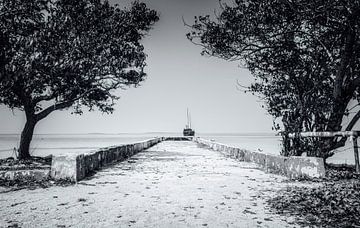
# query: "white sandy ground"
{"points": [[173, 184]]}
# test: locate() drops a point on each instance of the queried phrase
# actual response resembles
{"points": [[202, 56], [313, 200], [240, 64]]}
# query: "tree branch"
{"points": [[43, 98], [341, 72], [61, 105], [354, 84], [349, 127], [41, 115]]}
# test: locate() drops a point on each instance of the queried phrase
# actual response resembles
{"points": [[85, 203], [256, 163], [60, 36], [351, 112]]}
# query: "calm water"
{"points": [[45, 144], [269, 144]]}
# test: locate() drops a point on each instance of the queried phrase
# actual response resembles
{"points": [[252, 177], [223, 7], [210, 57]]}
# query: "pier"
{"points": [[171, 184]]}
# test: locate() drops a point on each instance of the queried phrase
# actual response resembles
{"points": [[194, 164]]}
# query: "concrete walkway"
{"points": [[173, 184]]}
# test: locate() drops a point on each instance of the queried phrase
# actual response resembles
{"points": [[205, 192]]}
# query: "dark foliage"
{"points": [[335, 204], [63, 53], [341, 173], [31, 184], [305, 56], [33, 163]]}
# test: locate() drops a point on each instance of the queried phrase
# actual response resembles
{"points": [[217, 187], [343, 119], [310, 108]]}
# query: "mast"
{"points": [[187, 118]]}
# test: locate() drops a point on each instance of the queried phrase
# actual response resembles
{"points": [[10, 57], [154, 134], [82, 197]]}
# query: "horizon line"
{"points": [[123, 133]]}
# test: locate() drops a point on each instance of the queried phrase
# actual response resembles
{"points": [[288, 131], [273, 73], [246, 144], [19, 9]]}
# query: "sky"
{"points": [[178, 78]]}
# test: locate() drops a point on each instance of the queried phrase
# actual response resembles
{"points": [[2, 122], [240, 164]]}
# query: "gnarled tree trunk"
{"points": [[25, 140]]}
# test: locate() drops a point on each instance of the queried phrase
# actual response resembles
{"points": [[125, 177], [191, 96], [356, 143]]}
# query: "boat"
{"points": [[187, 130]]}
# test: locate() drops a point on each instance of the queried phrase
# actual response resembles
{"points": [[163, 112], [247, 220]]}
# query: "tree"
{"points": [[59, 54], [304, 55]]}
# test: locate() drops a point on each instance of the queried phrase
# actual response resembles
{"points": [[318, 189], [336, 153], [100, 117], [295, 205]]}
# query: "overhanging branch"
{"points": [[41, 115], [61, 105], [349, 127]]}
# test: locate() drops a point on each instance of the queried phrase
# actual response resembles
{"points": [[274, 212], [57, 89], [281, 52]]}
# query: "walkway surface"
{"points": [[173, 184]]}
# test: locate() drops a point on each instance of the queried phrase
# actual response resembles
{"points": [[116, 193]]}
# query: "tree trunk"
{"points": [[31, 121], [26, 137], [337, 115], [335, 124]]}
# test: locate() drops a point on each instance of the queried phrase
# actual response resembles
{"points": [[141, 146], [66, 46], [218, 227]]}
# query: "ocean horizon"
{"points": [[45, 144]]}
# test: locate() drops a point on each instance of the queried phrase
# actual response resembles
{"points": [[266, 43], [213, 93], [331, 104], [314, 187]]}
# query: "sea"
{"points": [[47, 144]]}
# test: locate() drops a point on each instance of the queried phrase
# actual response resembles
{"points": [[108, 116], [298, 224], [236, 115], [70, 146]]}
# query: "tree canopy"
{"points": [[304, 55], [63, 53]]}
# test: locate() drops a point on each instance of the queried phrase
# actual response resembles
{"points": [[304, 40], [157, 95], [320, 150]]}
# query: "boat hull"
{"points": [[188, 132]]}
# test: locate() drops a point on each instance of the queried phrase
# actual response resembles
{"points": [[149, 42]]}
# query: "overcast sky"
{"points": [[178, 77]]}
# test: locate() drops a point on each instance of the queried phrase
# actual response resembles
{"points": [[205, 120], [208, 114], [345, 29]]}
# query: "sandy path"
{"points": [[174, 184]]}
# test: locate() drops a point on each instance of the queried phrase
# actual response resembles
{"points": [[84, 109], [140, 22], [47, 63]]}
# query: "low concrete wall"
{"points": [[75, 167], [293, 167], [179, 138]]}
